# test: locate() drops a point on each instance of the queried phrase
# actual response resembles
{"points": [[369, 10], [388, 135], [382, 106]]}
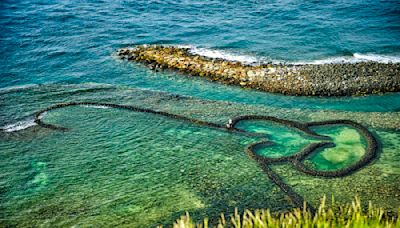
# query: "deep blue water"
{"points": [[66, 42]]}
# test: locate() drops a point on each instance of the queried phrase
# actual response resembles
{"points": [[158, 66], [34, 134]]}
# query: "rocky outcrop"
{"points": [[305, 80]]}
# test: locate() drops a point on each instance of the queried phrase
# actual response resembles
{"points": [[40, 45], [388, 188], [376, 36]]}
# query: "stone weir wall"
{"points": [[305, 80]]}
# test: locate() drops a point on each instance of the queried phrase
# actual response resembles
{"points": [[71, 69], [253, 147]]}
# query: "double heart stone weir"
{"points": [[296, 160]]}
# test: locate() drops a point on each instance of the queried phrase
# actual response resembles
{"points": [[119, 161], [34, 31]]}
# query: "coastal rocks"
{"points": [[309, 80]]}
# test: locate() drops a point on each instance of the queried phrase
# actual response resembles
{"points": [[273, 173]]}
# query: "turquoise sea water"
{"points": [[115, 167]]}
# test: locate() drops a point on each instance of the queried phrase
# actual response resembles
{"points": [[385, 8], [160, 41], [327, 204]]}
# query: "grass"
{"points": [[349, 215]]}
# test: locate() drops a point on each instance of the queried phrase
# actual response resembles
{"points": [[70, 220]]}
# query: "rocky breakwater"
{"points": [[306, 80]]}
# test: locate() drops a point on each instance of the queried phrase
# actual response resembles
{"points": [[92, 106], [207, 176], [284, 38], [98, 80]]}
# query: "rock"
{"points": [[316, 80], [250, 73]]}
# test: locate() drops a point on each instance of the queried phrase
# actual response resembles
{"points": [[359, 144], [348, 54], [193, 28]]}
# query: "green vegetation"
{"points": [[350, 215]]}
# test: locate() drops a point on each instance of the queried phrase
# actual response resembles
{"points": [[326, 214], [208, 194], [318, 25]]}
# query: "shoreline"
{"points": [[335, 79]]}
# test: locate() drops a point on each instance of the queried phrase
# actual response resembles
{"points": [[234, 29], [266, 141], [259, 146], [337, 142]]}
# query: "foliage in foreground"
{"points": [[350, 215]]}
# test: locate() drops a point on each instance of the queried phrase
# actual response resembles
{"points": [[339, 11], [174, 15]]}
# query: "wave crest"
{"points": [[251, 60], [355, 58], [18, 126], [221, 54]]}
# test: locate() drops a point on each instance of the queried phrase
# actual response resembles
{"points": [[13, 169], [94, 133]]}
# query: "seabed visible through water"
{"points": [[111, 166], [115, 167]]}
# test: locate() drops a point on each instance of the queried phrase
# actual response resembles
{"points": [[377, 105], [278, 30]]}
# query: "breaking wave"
{"points": [[18, 126], [249, 59], [221, 54], [95, 106], [355, 58]]}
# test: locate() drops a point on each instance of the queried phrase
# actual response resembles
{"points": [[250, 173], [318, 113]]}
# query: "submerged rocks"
{"points": [[309, 80]]}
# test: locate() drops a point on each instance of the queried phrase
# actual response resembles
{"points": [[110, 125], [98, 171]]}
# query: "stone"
{"points": [[250, 73], [325, 79]]}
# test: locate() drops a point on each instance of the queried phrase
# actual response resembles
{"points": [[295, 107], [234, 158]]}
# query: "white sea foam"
{"points": [[248, 59], [356, 58], [21, 125], [377, 58], [95, 106], [223, 54], [42, 115]]}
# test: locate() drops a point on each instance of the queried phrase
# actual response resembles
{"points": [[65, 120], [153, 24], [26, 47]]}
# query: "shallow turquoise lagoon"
{"points": [[115, 167]]}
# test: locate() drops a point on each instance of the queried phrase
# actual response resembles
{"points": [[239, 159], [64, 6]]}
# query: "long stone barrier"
{"points": [[339, 79]]}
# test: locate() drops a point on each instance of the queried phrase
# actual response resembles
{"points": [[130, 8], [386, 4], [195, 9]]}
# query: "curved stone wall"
{"points": [[296, 160]]}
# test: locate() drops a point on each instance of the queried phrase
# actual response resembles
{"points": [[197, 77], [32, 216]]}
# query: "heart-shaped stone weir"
{"points": [[303, 145]]}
